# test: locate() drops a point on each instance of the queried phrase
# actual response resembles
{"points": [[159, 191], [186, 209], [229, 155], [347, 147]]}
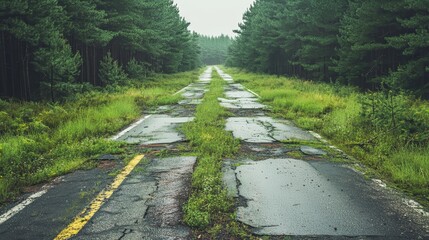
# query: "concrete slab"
{"points": [[294, 197], [205, 80], [265, 130], [147, 205], [206, 76], [312, 151], [190, 102], [193, 94], [156, 129], [238, 94], [241, 103], [223, 75], [236, 86], [229, 179]]}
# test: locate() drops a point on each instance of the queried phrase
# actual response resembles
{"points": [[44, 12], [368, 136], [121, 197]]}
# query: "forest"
{"points": [[51, 49], [214, 50], [374, 45]]}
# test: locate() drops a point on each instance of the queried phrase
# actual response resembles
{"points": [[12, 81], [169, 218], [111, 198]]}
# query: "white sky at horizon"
{"points": [[213, 17]]}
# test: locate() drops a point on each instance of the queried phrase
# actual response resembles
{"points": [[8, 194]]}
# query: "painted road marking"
{"points": [[82, 218], [181, 90], [12, 212], [252, 92], [15, 210], [117, 136]]}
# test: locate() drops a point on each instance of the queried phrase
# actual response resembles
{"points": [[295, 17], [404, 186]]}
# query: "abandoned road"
{"points": [[286, 182]]}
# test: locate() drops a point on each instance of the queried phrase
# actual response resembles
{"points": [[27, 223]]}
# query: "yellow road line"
{"points": [[82, 218]]}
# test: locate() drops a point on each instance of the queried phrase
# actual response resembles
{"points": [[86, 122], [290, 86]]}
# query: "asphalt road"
{"points": [[305, 189], [286, 182]]}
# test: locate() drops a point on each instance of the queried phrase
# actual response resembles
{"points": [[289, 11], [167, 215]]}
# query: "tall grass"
{"points": [[209, 208], [42, 140], [410, 166], [211, 142]]}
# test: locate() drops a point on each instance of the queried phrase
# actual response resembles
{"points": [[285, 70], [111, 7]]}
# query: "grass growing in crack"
{"points": [[209, 208]]}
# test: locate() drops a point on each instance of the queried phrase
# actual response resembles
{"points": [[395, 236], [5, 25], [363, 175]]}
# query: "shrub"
{"points": [[137, 70], [111, 73]]}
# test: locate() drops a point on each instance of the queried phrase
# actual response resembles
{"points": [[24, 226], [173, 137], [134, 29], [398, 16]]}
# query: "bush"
{"points": [[111, 73], [6, 122], [396, 115], [137, 70]]}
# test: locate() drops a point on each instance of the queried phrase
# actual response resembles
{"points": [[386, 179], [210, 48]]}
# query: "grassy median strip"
{"points": [[209, 209]]}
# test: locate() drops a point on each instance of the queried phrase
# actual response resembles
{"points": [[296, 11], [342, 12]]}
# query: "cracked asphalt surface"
{"points": [[284, 180], [147, 205], [298, 190]]}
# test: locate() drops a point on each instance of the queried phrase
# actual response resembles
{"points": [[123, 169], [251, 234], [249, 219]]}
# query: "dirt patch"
{"points": [[33, 189], [106, 164]]}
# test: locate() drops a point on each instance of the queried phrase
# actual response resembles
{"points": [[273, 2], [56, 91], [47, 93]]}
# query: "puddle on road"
{"points": [[291, 197], [156, 129], [265, 130]]}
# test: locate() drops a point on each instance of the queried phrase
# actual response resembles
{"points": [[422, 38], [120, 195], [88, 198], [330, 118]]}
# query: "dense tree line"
{"points": [[214, 49], [366, 43], [49, 47]]}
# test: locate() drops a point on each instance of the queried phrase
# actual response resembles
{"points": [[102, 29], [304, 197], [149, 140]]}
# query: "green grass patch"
{"points": [[387, 131], [39, 141], [209, 209], [410, 167]]}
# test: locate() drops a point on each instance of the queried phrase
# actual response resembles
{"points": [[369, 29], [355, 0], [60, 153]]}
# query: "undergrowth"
{"points": [[39, 141], [387, 131], [209, 209]]}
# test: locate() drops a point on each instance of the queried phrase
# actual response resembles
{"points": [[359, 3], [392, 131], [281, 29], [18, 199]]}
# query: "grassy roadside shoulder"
{"points": [[389, 132], [39, 141], [209, 210]]}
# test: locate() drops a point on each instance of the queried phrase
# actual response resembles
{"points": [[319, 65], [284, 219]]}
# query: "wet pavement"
{"points": [[265, 130], [49, 214], [284, 180], [156, 129], [147, 205], [293, 197], [288, 183]]}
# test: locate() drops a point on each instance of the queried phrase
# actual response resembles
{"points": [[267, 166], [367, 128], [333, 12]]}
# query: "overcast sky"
{"points": [[213, 17]]}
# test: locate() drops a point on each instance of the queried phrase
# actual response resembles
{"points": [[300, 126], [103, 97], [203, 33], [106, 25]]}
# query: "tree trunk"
{"points": [[88, 65], [3, 67], [52, 84], [94, 64], [26, 73]]}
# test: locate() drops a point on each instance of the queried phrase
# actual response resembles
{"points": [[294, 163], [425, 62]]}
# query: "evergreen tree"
{"points": [[414, 46], [56, 44], [365, 56], [214, 49], [370, 44]]}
